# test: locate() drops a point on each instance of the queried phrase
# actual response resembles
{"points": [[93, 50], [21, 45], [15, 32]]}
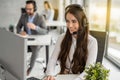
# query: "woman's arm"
{"points": [[53, 59]]}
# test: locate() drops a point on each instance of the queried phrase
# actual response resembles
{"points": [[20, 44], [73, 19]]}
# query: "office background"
{"points": [[104, 15], [10, 11]]}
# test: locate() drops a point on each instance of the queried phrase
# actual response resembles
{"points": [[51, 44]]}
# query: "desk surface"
{"points": [[112, 76], [115, 76], [56, 23], [38, 39], [66, 77]]}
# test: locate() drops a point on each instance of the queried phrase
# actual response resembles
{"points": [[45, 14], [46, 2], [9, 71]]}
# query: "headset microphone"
{"points": [[74, 33]]}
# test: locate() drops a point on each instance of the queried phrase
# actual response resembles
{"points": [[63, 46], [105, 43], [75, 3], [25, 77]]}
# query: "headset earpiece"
{"points": [[35, 6]]}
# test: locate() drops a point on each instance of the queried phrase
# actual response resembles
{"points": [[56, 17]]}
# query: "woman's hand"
{"points": [[50, 78]]}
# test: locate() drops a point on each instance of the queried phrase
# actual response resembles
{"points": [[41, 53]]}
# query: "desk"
{"points": [[112, 76], [66, 77], [56, 23], [39, 40], [60, 24]]}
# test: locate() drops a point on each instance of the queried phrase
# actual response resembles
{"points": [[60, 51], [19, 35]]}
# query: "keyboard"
{"points": [[31, 39], [33, 78]]}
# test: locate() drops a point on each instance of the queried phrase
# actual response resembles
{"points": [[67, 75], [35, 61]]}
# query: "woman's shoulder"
{"points": [[61, 36], [91, 39]]}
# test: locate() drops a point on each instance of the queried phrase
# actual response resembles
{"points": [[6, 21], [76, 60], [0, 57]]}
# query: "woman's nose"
{"points": [[70, 25]]}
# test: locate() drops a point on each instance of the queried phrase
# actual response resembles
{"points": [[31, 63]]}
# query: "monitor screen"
{"points": [[13, 51]]}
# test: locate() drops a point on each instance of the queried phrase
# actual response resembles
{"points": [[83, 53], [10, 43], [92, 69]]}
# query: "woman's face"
{"points": [[72, 23], [46, 6]]}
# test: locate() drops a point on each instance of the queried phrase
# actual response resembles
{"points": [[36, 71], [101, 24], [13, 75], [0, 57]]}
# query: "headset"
{"points": [[34, 4], [84, 22], [77, 6]]}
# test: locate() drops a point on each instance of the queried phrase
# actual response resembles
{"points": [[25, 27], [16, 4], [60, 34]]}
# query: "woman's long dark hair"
{"points": [[81, 51]]}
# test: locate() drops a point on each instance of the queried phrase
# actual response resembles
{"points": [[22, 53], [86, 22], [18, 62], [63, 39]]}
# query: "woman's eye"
{"points": [[67, 21], [74, 21]]}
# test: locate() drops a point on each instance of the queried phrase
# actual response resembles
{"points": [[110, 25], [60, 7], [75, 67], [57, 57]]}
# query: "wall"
{"points": [[10, 10]]}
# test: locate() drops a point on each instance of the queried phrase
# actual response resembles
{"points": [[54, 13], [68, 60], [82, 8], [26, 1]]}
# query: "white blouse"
{"points": [[49, 14], [92, 54]]}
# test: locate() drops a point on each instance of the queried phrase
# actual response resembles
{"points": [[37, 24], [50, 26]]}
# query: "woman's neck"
{"points": [[47, 8], [75, 36]]}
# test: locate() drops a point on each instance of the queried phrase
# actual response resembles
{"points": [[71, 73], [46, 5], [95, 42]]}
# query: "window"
{"points": [[97, 14], [114, 34]]}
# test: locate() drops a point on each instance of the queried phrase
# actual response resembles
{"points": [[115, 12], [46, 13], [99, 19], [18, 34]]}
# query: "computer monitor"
{"points": [[13, 51]]}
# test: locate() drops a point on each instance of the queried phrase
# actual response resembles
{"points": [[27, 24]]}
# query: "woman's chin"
{"points": [[71, 32]]}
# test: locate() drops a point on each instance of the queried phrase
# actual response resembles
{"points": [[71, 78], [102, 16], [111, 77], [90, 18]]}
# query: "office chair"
{"points": [[101, 39]]}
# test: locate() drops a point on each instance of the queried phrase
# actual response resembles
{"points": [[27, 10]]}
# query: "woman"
{"points": [[75, 49], [48, 12]]}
